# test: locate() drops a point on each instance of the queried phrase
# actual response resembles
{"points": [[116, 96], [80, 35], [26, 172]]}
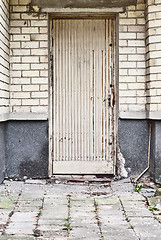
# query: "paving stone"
{"points": [[83, 214], [147, 192], [124, 232], [9, 237], [84, 232], [7, 202], [110, 200], [131, 197], [53, 227], [55, 202], [45, 221], [155, 201], [54, 213], [150, 238], [23, 217], [50, 234], [35, 181], [121, 237], [139, 213], [13, 230], [4, 217], [81, 223]]}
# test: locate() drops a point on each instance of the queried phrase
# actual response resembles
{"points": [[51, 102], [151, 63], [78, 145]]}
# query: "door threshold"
{"points": [[82, 178]]}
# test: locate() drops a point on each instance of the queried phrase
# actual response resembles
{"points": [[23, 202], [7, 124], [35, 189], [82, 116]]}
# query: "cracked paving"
{"points": [[37, 209]]}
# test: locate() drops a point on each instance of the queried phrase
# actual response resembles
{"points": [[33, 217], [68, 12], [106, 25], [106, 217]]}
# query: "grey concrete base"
{"points": [[27, 149], [2, 151], [24, 148], [133, 142], [156, 151]]}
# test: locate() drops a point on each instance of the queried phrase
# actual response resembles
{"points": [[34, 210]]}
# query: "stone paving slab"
{"points": [[38, 209]]}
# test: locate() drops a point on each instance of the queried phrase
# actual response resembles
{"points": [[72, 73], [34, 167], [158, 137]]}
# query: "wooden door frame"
{"points": [[74, 15]]}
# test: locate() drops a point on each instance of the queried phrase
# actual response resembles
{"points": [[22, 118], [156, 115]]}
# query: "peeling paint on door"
{"points": [[83, 78]]}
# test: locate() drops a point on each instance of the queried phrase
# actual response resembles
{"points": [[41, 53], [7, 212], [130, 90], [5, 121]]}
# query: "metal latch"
{"points": [[109, 100]]}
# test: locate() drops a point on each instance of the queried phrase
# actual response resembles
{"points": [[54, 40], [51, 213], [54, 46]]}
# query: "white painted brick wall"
{"points": [[139, 59], [132, 48], [29, 59], [153, 50], [4, 57]]}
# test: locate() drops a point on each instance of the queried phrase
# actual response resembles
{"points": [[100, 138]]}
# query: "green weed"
{"points": [[138, 187], [67, 219], [104, 239], [95, 203], [40, 213], [67, 225], [153, 208]]}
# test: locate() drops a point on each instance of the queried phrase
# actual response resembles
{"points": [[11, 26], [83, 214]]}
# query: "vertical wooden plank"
{"points": [[57, 92], [88, 89], [76, 94], [109, 88], [106, 87], [86, 142], [114, 93], [54, 90]]}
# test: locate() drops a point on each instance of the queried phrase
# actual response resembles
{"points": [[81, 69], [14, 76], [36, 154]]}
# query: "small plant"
{"points": [[158, 219], [131, 226], [127, 218], [153, 208], [67, 219], [104, 239], [95, 203], [67, 225], [138, 187], [40, 213]]}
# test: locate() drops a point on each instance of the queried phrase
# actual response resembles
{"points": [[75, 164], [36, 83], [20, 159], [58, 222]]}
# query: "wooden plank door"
{"points": [[83, 66]]}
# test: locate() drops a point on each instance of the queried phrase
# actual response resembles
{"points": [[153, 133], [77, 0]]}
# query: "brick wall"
{"points": [[153, 50], [29, 82], [4, 59], [139, 54], [132, 49], [29, 59]]}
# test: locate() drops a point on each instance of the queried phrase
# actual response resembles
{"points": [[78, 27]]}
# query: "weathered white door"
{"points": [[83, 103]]}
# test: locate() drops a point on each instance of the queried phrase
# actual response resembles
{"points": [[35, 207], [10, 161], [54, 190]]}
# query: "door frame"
{"points": [[82, 14]]}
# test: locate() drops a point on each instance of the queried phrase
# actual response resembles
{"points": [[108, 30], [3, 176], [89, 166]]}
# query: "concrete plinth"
{"points": [[156, 151], [27, 149], [2, 151], [133, 143]]}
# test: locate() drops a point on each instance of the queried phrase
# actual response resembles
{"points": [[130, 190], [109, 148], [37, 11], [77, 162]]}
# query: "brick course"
{"points": [[4, 56], [153, 54], [139, 59], [29, 59], [132, 48]]}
